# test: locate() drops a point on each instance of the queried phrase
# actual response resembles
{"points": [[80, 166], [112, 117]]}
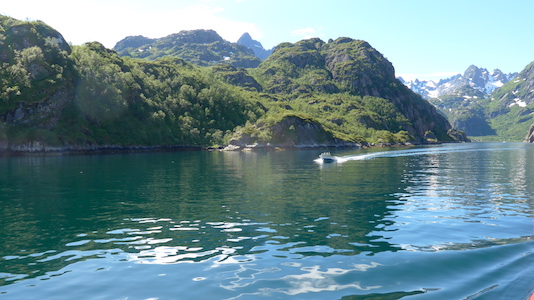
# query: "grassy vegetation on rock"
{"points": [[309, 92]]}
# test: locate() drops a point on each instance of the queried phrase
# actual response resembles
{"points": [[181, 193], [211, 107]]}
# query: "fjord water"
{"points": [[452, 221]]}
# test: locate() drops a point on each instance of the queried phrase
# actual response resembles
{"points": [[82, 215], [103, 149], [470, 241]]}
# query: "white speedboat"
{"points": [[327, 157]]}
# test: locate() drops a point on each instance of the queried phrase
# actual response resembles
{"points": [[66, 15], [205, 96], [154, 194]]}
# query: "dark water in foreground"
{"points": [[444, 222]]}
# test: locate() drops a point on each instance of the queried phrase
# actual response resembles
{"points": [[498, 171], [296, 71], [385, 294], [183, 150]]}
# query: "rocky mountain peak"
{"points": [[260, 52], [132, 42], [477, 76], [473, 71], [246, 38], [343, 40], [474, 78], [349, 55], [22, 35], [498, 75]]}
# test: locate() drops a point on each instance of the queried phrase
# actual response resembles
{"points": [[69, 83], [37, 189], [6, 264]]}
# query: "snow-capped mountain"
{"points": [[479, 79]]}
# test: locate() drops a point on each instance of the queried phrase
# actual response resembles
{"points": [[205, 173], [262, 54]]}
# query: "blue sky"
{"points": [[422, 38]]}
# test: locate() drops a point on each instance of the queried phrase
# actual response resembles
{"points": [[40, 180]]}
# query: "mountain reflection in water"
{"points": [[440, 222]]}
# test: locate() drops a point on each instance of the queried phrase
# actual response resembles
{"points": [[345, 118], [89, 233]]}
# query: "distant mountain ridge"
{"points": [[260, 52], [478, 79], [483, 103], [200, 47]]}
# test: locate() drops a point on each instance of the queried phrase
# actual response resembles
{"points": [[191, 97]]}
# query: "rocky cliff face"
{"points": [[358, 66], [365, 71], [260, 52], [22, 35], [518, 92], [37, 76], [41, 115], [237, 76], [36, 82], [530, 135], [348, 65], [473, 123], [291, 131]]}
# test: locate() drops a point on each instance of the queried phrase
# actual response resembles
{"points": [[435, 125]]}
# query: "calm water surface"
{"points": [[443, 222]]}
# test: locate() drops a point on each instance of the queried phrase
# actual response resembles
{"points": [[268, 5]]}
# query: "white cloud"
{"points": [[86, 20], [200, 16], [436, 76], [305, 33]]}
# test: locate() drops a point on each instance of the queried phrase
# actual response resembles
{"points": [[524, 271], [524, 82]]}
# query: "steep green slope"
{"points": [[37, 79], [308, 93], [465, 110], [35, 63], [88, 96], [352, 88], [518, 92], [511, 107], [165, 102]]}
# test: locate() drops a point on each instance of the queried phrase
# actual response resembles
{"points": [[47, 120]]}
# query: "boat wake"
{"points": [[412, 152]]}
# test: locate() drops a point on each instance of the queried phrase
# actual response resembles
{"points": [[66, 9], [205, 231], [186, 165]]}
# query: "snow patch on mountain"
{"points": [[479, 79], [518, 102]]}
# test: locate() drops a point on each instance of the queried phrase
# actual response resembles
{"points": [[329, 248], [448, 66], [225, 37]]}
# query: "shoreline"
{"points": [[89, 150], [41, 150]]}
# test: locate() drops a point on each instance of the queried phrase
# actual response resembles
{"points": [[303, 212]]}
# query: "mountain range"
{"points": [[479, 79], [194, 89], [483, 103], [191, 89]]}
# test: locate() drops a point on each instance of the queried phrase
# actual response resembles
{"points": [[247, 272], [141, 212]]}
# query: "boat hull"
{"points": [[327, 157]]}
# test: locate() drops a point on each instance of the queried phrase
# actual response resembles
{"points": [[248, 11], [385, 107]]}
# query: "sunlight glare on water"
{"points": [[436, 222]]}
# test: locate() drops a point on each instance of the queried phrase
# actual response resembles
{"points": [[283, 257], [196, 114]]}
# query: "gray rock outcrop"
{"points": [[530, 135], [290, 132]]}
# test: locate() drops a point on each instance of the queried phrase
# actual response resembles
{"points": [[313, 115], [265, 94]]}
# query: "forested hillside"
{"points": [[54, 96]]}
